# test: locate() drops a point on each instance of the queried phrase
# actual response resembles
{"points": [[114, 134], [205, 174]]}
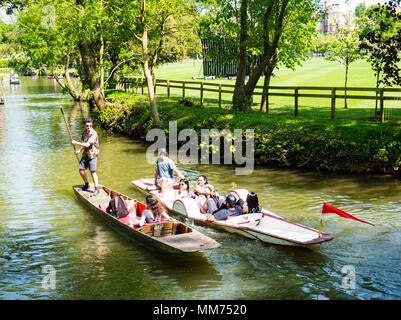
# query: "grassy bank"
{"points": [[314, 144], [314, 72]]}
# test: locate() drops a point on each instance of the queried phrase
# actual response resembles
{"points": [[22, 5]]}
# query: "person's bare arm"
{"points": [[202, 191], [178, 173], [81, 144]]}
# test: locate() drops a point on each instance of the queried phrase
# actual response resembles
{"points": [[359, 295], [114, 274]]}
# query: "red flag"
{"points": [[327, 208]]}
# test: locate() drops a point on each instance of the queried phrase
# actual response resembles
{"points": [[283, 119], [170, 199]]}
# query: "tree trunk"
{"points": [[90, 67], [91, 77], [346, 84], [101, 67], [264, 104], [268, 58], [239, 102], [159, 48], [377, 87], [146, 70], [77, 96]]}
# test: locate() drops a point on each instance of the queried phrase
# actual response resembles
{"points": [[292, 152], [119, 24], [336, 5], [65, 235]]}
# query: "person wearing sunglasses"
{"points": [[90, 147], [184, 191]]}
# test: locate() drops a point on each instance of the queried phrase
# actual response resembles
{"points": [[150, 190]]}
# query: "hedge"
{"points": [[313, 144]]}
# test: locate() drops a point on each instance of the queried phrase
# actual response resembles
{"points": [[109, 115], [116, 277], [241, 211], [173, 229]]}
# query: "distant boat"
{"points": [[30, 73], [60, 76], [14, 79]]}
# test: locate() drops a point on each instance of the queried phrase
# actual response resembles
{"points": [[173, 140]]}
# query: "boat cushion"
{"points": [[104, 206], [130, 219], [131, 206]]}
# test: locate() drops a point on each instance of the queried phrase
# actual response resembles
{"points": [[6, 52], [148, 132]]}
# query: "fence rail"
{"points": [[296, 92]]}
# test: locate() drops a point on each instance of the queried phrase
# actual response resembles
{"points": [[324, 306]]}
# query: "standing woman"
{"points": [[155, 211], [90, 148]]}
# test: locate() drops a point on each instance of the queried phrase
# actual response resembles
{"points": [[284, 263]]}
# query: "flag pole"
{"points": [[320, 225]]}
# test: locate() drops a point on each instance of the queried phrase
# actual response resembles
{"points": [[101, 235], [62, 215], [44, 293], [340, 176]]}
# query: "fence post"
{"points": [[183, 90], [168, 89], [381, 105], [219, 95], [296, 102], [333, 103], [142, 86], [201, 94]]}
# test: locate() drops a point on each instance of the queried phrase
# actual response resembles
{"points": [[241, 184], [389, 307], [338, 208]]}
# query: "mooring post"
{"points": [[381, 105], [168, 89], [220, 95], [333, 103], [201, 94]]}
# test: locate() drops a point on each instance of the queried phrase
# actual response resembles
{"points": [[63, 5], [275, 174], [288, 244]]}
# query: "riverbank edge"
{"points": [[341, 146]]}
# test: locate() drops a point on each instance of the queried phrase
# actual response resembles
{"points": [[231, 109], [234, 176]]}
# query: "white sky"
{"points": [[354, 3]]}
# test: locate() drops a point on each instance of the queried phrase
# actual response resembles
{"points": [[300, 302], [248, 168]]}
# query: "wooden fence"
{"points": [[296, 92]]}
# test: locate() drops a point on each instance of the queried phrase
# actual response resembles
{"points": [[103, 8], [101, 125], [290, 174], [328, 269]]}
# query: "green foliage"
{"points": [[340, 146], [383, 42]]}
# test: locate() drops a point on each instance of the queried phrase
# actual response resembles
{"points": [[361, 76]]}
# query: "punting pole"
{"points": [[69, 133]]}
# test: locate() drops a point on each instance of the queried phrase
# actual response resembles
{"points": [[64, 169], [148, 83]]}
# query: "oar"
{"points": [[69, 133]]}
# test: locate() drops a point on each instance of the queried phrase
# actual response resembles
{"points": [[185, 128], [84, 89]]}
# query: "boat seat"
{"points": [[132, 218]]}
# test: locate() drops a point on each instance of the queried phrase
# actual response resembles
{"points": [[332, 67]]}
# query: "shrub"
{"points": [[342, 146]]}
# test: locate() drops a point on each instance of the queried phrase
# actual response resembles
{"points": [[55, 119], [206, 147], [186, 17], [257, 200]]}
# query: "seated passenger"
{"points": [[164, 171], [155, 211], [223, 208], [184, 191], [252, 202], [203, 188]]}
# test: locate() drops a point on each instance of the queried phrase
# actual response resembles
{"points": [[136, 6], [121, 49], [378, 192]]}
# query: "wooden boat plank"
{"points": [[189, 241]]}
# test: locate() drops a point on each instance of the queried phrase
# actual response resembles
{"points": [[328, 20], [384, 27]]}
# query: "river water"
{"points": [[43, 226]]}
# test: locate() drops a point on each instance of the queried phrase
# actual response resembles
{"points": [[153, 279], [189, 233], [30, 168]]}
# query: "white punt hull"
{"points": [[265, 226]]}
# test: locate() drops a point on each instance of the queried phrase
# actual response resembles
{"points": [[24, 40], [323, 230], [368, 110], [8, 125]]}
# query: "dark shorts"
{"points": [[87, 163]]}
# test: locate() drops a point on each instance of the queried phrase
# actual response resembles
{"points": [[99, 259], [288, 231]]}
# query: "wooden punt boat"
{"points": [[265, 225], [169, 235]]}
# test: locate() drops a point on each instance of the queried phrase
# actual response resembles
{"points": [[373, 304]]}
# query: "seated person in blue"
{"points": [[165, 167], [155, 211], [223, 208]]}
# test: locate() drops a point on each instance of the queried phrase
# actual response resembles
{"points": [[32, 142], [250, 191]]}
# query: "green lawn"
{"points": [[314, 72]]}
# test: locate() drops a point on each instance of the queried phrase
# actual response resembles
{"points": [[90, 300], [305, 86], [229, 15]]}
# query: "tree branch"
{"points": [[118, 65]]}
